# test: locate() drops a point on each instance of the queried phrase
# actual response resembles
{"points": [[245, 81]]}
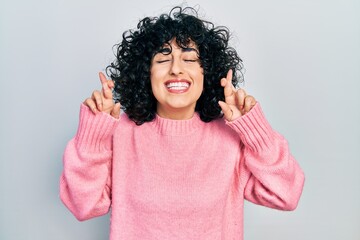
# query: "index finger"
{"points": [[102, 78]]}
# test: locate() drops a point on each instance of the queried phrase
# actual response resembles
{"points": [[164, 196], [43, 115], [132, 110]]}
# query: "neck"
{"points": [[176, 114]]}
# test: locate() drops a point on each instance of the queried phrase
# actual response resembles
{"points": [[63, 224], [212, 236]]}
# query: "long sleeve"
{"points": [[85, 183], [269, 173]]}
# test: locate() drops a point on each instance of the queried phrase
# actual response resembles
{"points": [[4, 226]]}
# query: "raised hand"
{"points": [[102, 101], [237, 102]]}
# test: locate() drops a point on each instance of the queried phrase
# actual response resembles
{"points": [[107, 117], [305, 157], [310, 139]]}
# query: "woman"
{"points": [[189, 147]]}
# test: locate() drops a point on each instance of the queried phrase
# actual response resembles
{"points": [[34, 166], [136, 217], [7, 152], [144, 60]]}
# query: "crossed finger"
{"points": [[237, 102], [98, 99], [240, 98], [229, 89]]}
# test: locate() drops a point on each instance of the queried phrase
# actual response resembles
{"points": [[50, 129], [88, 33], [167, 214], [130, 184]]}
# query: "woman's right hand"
{"points": [[102, 101]]}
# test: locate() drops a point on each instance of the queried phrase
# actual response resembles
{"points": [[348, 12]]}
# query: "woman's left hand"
{"points": [[237, 102]]}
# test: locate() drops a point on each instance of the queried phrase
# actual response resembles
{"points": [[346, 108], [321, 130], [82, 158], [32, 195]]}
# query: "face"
{"points": [[176, 80]]}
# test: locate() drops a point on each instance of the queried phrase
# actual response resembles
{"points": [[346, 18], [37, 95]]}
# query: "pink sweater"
{"points": [[177, 179]]}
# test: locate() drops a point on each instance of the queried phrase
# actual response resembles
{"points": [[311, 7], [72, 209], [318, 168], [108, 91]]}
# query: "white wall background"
{"points": [[303, 64]]}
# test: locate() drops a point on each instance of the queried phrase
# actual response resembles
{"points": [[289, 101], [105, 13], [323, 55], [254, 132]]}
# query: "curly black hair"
{"points": [[131, 68]]}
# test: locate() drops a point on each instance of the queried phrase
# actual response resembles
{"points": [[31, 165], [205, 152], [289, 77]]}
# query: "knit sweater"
{"points": [[177, 179]]}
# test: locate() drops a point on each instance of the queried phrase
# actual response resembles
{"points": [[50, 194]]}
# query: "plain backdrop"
{"points": [[302, 61]]}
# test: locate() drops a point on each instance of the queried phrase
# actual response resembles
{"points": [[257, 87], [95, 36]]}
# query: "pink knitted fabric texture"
{"points": [[177, 179]]}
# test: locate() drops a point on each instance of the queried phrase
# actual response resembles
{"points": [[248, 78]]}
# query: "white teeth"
{"points": [[177, 85]]}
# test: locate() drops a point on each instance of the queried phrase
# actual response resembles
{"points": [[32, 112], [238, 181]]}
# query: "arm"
{"points": [[85, 183], [269, 173]]}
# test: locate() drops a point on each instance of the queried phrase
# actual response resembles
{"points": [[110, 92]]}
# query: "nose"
{"points": [[176, 67]]}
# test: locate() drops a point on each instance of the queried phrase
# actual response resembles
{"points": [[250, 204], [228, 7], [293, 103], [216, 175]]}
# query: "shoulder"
{"points": [[125, 123], [128, 125], [220, 128]]}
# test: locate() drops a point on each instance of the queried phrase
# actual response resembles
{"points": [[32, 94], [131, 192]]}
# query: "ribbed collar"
{"points": [[172, 127]]}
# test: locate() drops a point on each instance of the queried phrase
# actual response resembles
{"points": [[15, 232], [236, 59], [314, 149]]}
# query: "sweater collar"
{"points": [[172, 127]]}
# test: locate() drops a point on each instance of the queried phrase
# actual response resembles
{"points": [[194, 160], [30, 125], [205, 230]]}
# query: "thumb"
{"points": [[228, 112], [116, 110]]}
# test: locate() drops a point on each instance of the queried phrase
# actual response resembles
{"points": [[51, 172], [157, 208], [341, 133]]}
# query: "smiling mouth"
{"points": [[177, 86]]}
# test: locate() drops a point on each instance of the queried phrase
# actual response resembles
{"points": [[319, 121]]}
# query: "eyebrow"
{"points": [[189, 49], [165, 50], [168, 50]]}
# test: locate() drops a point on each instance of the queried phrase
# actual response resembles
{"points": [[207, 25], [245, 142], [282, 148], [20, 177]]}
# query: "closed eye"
{"points": [[162, 61], [190, 60]]}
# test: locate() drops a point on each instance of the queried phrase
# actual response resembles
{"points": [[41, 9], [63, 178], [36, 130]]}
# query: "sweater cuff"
{"points": [[254, 130], [94, 131]]}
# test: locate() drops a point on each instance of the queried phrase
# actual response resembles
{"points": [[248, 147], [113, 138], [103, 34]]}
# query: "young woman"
{"points": [[189, 147]]}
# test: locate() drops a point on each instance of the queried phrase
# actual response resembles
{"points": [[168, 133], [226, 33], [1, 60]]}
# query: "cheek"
{"points": [[155, 86], [156, 79], [199, 76], [153, 77], [202, 85], [156, 75]]}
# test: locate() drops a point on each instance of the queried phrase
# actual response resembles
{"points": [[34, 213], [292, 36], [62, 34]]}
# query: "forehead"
{"points": [[174, 45]]}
